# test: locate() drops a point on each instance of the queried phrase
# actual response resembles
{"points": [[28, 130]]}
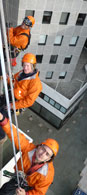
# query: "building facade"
{"points": [[57, 40]]}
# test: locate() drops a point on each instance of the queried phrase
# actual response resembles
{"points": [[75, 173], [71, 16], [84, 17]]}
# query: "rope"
{"points": [[6, 90], [8, 104]]}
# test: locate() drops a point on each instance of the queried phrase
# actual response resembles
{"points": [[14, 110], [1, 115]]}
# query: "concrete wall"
{"points": [[54, 28]]}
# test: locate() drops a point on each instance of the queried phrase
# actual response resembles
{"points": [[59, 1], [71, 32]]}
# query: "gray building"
{"points": [[58, 38]]}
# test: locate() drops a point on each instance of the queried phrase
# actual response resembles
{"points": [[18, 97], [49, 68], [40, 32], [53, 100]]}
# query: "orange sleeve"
{"points": [[23, 141], [43, 183], [31, 96], [19, 41]]}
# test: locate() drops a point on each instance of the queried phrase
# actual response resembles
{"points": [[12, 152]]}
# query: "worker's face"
{"points": [[43, 153], [24, 26], [27, 67]]}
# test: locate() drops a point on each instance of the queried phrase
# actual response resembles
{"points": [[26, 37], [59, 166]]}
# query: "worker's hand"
{"points": [[1, 116], [20, 191]]}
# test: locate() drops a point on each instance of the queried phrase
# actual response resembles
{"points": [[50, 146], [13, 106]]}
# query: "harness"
{"points": [[15, 51], [29, 37]]}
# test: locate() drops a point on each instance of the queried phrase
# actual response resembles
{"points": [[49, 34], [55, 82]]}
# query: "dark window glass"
{"points": [[49, 75], [67, 60], [62, 75], [47, 17], [80, 19], [64, 18], [41, 95], [29, 13], [39, 58], [53, 59]]}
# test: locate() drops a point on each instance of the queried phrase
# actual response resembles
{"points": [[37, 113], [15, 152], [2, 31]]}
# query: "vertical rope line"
{"points": [[5, 83], [8, 104], [11, 85]]}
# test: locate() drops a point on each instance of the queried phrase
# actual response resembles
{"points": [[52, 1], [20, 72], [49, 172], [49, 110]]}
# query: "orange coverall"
{"points": [[27, 90], [43, 177], [17, 40]]}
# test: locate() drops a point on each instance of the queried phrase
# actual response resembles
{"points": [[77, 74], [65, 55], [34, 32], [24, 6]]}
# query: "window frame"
{"points": [[75, 41], [67, 18], [67, 59], [55, 44], [51, 103], [53, 62], [47, 77], [39, 62], [47, 97], [45, 40], [49, 16], [29, 14], [62, 76], [79, 23]]}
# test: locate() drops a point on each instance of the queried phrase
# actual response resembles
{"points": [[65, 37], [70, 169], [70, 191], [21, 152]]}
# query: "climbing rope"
{"points": [[11, 85]]}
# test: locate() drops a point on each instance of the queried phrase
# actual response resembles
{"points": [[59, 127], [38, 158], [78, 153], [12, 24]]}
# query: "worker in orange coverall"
{"points": [[15, 35], [19, 38], [37, 162], [27, 84]]}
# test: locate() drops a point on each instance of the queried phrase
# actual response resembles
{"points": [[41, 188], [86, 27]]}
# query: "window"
{"points": [[49, 75], [62, 75], [41, 95], [42, 40], [47, 17], [52, 102], [58, 40], [39, 58], [67, 60], [57, 106], [53, 59], [63, 110], [73, 41], [29, 13], [80, 19], [64, 18], [46, 98]]}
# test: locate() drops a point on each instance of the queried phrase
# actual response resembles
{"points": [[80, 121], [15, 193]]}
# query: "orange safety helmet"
{"points": [[32, 19], [52, 144], [29, 21], [30, 58]]}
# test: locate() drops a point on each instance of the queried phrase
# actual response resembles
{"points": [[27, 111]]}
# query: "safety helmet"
{"points": [[30, 58], [52, 144], [29, 21]]}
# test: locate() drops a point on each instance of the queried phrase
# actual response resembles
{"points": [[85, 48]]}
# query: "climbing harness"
{"points": [[14, 52], [10, 187], [29, 37]]}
